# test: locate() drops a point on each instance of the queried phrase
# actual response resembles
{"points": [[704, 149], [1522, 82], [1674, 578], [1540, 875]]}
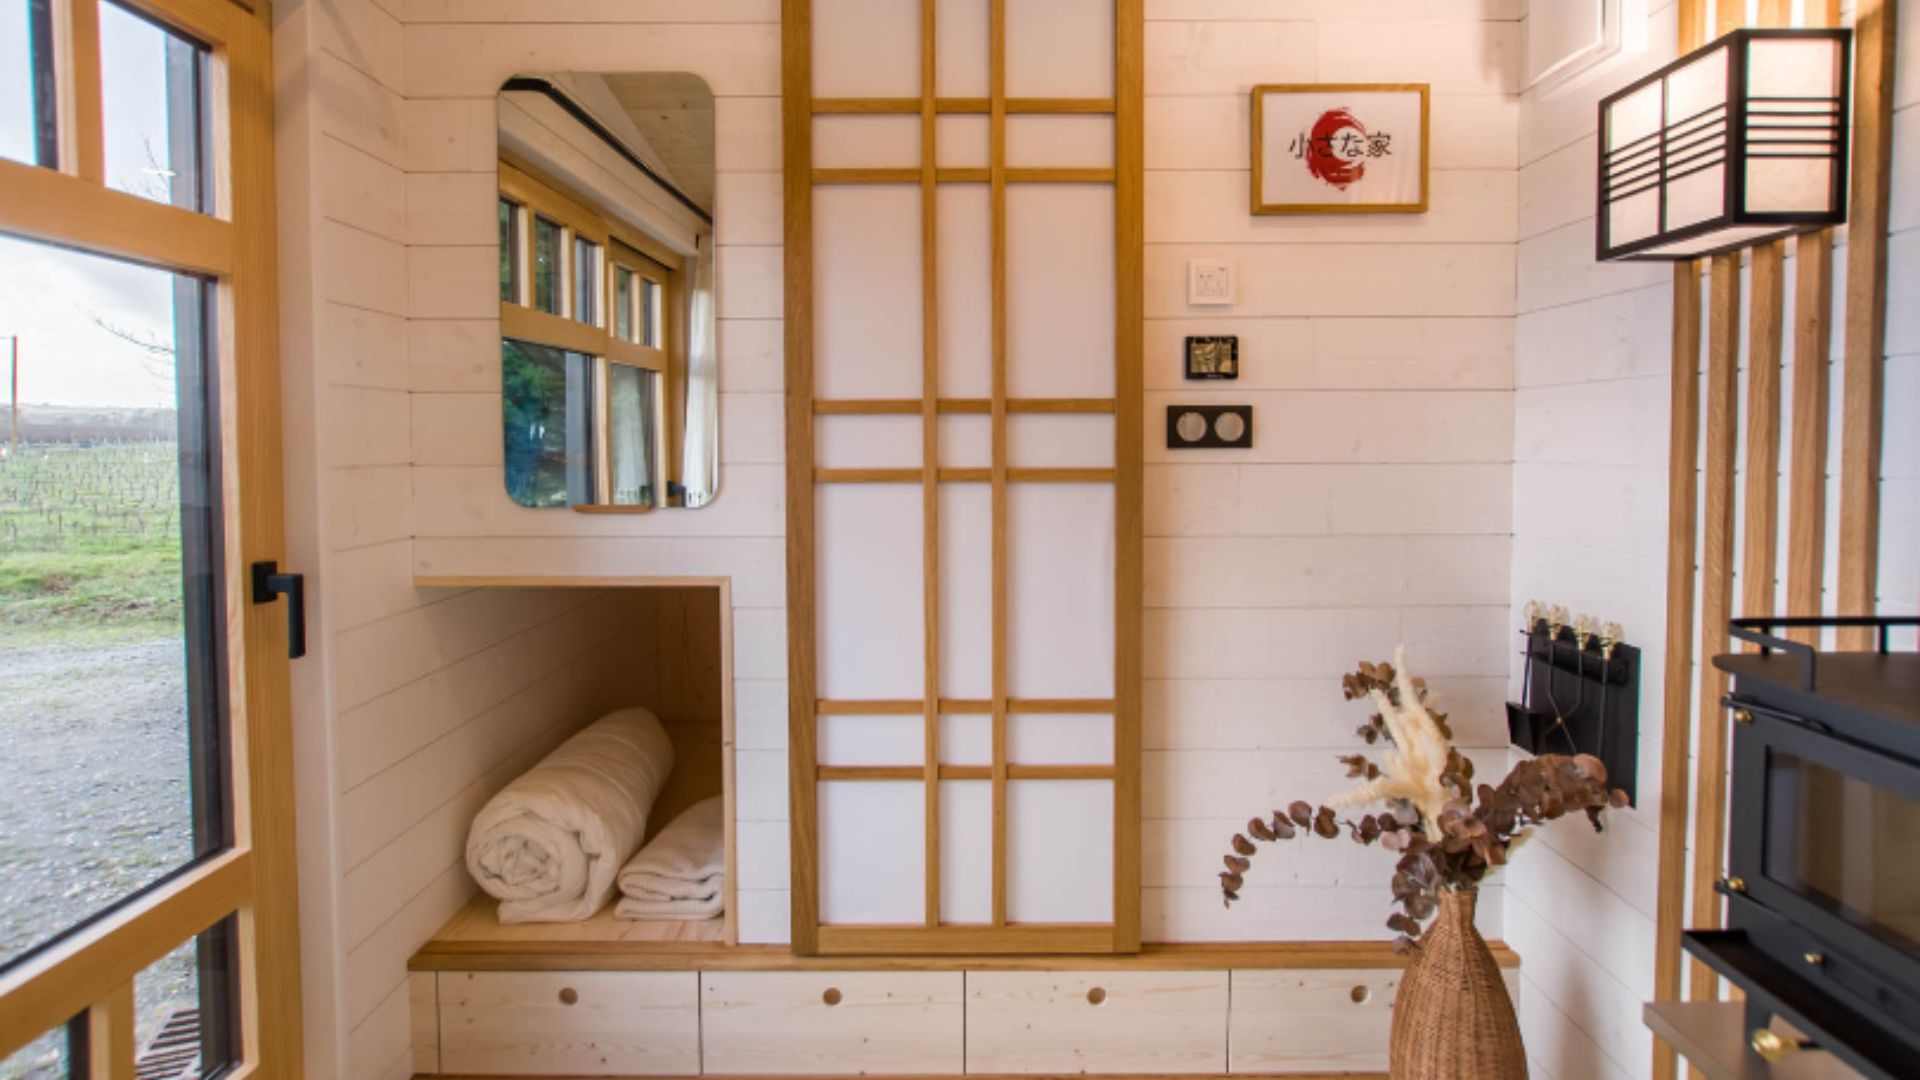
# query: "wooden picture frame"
{"points": [[1333, 148]]}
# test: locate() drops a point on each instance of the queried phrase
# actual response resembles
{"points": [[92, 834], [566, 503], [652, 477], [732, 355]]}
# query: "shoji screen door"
{"points": [[963, 285]]}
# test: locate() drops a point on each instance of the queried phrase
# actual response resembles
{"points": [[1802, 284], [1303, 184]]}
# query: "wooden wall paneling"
{"points": [[930, 449], [1677, 715], [1767, 300], [1716, 599], [1807, 468], [1861, 374], [797, 121]]}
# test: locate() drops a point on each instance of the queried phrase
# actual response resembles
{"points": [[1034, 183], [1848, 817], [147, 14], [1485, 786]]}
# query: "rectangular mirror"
{"points": [[609, 376]]}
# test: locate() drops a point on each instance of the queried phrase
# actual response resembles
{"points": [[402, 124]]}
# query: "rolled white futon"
{"points": [[550, 845], [682, 873]]}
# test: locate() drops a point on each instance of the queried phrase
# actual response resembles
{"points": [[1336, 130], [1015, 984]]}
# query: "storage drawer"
{"points": [[619, 1023], [1143, 1022], [1313, 1021], [847, 1023]]}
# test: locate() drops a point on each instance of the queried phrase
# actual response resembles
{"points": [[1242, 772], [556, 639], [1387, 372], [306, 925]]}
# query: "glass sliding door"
{"points": [[146, 867]]}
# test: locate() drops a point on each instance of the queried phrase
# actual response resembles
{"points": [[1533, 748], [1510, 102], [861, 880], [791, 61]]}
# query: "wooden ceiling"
{"points": [[674, 110]]}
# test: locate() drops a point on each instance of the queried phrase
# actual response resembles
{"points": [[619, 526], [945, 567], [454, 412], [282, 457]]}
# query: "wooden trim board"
{"points": [[1676, 735], [584, 955]]}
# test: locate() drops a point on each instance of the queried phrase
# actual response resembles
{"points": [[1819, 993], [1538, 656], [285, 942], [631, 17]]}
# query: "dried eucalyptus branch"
{"points": [[1448, 833]]}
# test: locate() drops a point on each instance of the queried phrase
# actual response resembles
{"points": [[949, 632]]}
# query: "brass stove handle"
{"points": [[1774, 1047]]}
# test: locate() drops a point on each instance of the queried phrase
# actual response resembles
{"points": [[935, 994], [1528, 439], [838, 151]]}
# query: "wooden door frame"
{"points": [[233, 246]]}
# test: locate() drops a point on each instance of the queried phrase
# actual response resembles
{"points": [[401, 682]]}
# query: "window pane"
{"points": [[183, 1008], [151, 113], [27, 131], [509, 252], [631, 396], [651, 332], [623, 303], [586, 281], [110, 684], [49, 1057], [546, 265], [547, 405]]}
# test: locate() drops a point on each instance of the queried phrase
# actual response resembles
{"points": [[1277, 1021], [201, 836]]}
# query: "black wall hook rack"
{"points": [[1580, 696]]}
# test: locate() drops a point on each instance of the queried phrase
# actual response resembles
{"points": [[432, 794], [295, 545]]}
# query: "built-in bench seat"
{"points": [[604, 998]]}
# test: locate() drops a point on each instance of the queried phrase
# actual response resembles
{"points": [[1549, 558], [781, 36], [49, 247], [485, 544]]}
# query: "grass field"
{"points": [[95, 790], [89, 543]]}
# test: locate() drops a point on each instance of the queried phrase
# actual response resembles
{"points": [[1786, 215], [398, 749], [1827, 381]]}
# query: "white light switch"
{"points": [[1210, 282]]}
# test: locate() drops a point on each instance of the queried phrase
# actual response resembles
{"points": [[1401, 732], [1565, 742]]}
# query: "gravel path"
{"points": [[94, 799]]}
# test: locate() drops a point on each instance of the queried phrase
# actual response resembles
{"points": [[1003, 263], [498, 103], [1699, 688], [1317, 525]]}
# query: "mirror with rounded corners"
{"points": [[609, 371]]}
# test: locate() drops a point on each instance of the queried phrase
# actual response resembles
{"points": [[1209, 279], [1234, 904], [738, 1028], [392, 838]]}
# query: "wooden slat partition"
{"points": [[1676, 737], [1807, 483], [1716, 596], [1767, 296], [1677, 719], [1866, 314]]}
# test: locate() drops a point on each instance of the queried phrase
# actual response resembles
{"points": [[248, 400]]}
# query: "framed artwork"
{"points": [[1213, 358], [1348, 148]]}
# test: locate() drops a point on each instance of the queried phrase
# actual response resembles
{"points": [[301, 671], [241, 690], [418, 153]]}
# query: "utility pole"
{"points": [[13, 400]]}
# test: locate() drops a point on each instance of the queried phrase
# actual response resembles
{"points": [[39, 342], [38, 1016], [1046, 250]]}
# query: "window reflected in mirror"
{"points": [[586, 281], [509, 252], [548, 416], [546, 265]]}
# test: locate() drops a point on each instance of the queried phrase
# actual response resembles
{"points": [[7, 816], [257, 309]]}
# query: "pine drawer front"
{"points": [[1062, 1022], [528, 1023], [1312, 1021], [835, 1023]]}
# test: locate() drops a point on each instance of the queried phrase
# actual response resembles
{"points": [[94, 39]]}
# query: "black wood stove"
{"points": [[1823, 875]]}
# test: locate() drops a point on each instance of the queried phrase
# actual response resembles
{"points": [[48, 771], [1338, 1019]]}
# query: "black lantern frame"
{"points": [[1722, 135]]}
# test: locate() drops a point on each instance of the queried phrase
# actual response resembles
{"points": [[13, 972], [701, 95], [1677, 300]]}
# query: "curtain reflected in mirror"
{"points": [[632, 402]]}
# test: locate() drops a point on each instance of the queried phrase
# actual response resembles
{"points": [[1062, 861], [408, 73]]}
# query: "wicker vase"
{"points": [[1452, 1019]]}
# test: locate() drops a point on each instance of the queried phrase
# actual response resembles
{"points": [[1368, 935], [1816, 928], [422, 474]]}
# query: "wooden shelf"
{"points": [[474, 940], [1713, 1038]]}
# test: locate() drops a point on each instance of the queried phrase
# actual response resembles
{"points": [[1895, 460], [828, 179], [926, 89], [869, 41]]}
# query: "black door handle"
{"points": [[268, 585]]}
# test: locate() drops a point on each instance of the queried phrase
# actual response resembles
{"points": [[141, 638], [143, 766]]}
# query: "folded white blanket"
{"points": [[682, 873], [549, 845]]}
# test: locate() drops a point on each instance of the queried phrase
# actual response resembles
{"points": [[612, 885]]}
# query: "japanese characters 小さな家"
{"points": [[1340, 148]]}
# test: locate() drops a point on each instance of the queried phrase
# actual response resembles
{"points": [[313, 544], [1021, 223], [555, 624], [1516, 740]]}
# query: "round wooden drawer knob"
{"points": [[832, 996], [1361, 994], [1096, 995], [569, 996]]}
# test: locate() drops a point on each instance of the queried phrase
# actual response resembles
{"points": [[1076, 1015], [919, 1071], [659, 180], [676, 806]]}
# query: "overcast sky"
{"points": [[53, 299]]}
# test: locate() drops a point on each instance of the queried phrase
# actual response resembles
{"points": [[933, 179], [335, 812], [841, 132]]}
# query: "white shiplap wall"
{"points": [[1590, 518], [416, 705], [1376, 507]]}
